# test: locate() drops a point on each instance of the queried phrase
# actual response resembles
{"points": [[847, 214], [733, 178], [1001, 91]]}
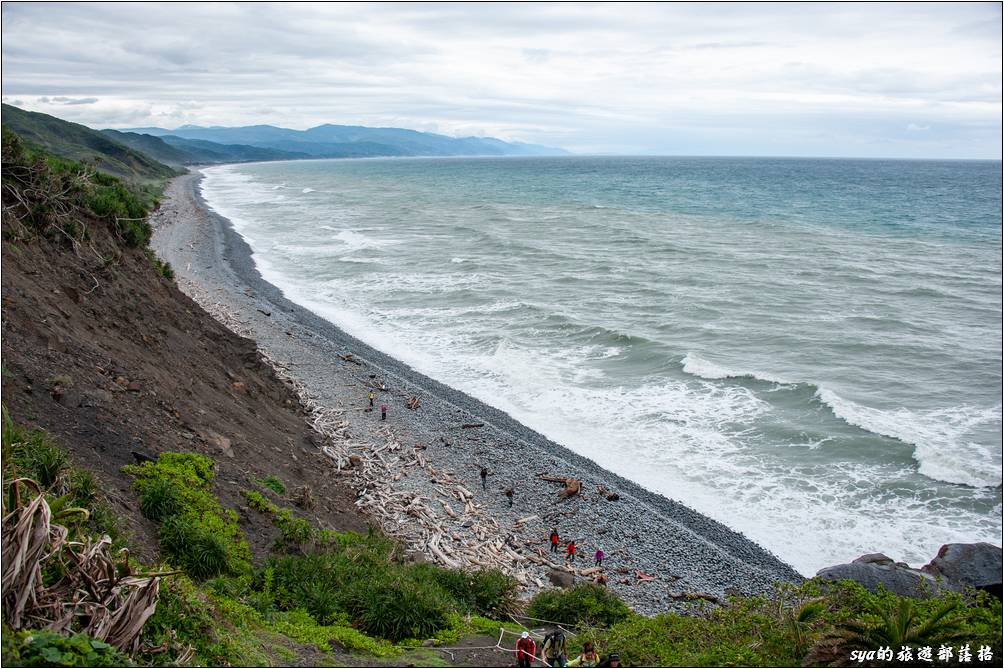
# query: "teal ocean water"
{"points": [[806, 350]]}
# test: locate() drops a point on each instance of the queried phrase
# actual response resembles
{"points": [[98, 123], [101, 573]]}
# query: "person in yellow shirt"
{"points": [[587, 658]]}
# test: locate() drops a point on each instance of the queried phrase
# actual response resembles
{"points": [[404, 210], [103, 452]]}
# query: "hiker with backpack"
{"points": [[526, 650], [555, 649]]}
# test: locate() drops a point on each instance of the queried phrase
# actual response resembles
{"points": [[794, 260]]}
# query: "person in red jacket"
{"points": [[570, 551], [554, 540], [526, 650]]}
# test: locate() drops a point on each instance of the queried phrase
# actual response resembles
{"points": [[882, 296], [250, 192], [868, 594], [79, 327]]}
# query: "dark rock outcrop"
{"points": [[977, 565], [876, 569]]}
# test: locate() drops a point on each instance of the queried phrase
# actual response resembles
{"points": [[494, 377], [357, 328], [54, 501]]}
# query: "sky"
{"points": [[899, 80]]}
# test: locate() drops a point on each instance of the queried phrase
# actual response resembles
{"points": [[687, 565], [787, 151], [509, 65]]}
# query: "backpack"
{"points": [[557, 641]]}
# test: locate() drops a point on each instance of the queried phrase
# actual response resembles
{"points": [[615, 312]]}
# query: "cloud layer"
{"points": [[899, 80]]}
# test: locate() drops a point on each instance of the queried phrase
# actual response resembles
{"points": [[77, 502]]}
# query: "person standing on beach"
{"points": [[599, 557], [570, 551], [484, 478], [371, 398], [554, 540], [509, 494], [383, 412]]}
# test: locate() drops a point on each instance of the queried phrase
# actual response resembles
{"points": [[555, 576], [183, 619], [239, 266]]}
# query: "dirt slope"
{"points": [[112, 358]]}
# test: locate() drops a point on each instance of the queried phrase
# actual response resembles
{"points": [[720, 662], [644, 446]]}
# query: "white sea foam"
{"points": [[307, 190], [695, 437], [939, 437], [698, 366]]}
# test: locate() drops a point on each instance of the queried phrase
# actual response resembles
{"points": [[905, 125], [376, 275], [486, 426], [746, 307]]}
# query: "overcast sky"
{"points": [[875, 80]]}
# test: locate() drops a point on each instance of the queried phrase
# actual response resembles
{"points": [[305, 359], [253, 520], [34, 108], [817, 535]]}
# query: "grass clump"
{"points": [[582, 604], [196, 533], [160, 500], [32, 454], [162, 266], [273, 483]]}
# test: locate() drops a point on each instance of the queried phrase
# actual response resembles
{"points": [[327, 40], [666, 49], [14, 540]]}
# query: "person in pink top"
{"points": [[599, 557], [383, 412]]}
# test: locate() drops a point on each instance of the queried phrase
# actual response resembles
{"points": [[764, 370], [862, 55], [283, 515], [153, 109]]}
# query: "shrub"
{"points": [[585, 603], [399, 609], [160, 500], [295, 531], [41, 648], [484, 592], [196, 533], [258, 501]]}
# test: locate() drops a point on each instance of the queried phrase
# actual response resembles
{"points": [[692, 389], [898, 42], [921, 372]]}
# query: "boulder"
{"points": [[977, 565], [562, 579], [876, 558], [876, 569]]}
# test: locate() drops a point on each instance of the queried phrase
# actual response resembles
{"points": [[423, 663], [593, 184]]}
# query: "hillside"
{"points": [[337, 141], [180, 151], [80, 143]]}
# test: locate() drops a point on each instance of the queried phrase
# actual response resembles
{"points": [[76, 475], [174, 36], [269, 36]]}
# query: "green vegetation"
{"points": [[355, 592], [196, 533], [76, 142], [295, 532], [583, 604], [49, 194], [274, 483], [162, 266], [358, 579], [41, 648], [815, 624]]}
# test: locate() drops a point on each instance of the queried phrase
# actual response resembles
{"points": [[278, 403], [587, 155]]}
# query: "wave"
{"points": [[939, 437], [307, 190], [942, 446], [695, 365]]}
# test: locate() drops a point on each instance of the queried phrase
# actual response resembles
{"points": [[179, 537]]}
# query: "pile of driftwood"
{"points": [[426, 508]]}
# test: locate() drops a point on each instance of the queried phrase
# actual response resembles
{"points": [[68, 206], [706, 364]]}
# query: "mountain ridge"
{"points": [[330, 140]]}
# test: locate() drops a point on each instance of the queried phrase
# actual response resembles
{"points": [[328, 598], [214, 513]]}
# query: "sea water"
{"points": [[807, 350]]}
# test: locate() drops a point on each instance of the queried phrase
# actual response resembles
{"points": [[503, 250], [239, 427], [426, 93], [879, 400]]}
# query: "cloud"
{"points": [[63, 100], [549, 73]]}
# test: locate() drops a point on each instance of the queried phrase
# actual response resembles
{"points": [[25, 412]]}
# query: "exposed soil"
{"points": [[115, 359]]}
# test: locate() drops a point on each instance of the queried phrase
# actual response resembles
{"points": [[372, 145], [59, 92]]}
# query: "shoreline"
{"points": [[642, 531]]}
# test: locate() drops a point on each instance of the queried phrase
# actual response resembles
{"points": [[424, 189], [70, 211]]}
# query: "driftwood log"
{"points": [[572, 485], [611, 496]]}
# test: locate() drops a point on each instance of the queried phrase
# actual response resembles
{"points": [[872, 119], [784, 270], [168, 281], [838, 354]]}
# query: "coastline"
{"points": [[642, 531]]}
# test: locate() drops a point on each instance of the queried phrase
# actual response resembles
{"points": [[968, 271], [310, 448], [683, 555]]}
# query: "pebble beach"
{"points": [[659, 554]]}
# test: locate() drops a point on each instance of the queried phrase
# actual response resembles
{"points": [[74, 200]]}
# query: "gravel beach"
{"points": [[684, 552]]}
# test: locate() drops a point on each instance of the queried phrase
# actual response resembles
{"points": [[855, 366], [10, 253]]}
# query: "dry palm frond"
{"points": [[97, 595]]}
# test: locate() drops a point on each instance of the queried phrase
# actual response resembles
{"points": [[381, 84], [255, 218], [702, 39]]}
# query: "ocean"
{"points": [[808, 351]]}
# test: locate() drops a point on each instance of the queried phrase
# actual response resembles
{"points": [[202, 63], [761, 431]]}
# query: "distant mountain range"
{"points": [[345, 141], [153, 154]]}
